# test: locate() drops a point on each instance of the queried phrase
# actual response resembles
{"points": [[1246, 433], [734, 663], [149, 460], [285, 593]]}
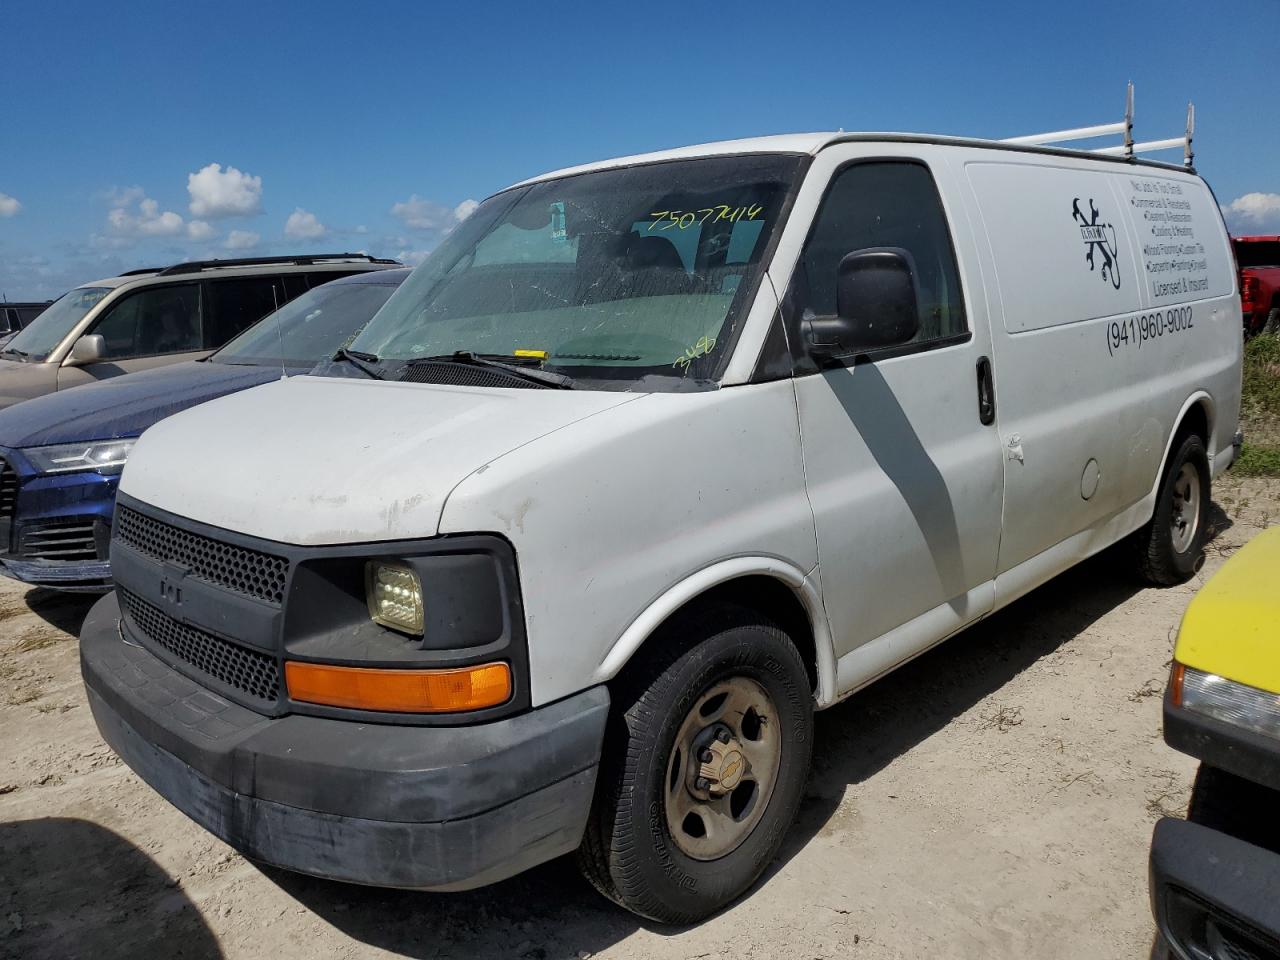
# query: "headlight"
{"points": [[1234, 703], [107, 456], [395, 595]]}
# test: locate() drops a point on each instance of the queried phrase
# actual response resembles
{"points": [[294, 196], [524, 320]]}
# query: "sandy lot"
{"points": [[992, 799]]}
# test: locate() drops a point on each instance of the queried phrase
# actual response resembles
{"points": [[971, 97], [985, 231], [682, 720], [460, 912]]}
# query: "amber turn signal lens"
{"points": [[1175, 683], [400, 691]]}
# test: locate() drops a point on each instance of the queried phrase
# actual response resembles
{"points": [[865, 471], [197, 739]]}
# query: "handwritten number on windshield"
{"points": [[684, 219]]}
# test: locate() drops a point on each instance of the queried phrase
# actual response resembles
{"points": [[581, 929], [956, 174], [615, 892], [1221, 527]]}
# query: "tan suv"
{"points": [[157, 316]]}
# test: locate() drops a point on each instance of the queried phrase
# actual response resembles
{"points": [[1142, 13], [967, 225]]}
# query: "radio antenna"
{"points": [[275, 314]]}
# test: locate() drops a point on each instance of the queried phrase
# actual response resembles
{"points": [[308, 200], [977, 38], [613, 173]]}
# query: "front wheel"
{"points": [[703, 768], [1170, 548]]}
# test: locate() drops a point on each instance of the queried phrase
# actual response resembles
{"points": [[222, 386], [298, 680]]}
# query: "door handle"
{"points": [[986, 393]]}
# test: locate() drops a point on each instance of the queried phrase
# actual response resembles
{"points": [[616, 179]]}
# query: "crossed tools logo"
{"points": [[1099, 240]]}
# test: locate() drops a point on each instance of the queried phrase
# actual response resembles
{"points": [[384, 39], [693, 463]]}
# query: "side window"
{"points": [[235, 305], [316, 279], [885, 204], [27, 314], [295, 285], [8, 320], [153, 321]]}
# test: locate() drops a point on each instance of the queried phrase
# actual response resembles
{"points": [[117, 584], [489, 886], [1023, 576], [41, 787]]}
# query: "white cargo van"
{"points": [[646, 462]]}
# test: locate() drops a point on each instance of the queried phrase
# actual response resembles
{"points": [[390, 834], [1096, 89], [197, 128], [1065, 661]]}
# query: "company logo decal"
{"points": [[1100, 242]]}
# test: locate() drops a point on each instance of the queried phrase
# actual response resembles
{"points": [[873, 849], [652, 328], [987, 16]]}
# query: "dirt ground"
{"points": [[994, 798]]}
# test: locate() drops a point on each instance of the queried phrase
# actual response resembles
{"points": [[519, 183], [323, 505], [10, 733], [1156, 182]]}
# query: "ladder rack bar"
{"points": [[1147, 147], [1062, 136]]}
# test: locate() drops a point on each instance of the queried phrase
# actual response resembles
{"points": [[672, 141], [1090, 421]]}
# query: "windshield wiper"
{"points": [[361, 361], [10, 352], [557, 381]]}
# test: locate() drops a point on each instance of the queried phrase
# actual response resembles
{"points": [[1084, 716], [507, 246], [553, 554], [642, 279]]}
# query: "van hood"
{"points": [[313, 460], [124, 406]]}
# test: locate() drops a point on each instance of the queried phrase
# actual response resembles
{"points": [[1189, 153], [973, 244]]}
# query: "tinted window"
{"points": [[27, 314], [324, 276], [889, 204], [8, 320], [153, 321], [295, 284], [309, 329], [236, 305], [1258, 253]]}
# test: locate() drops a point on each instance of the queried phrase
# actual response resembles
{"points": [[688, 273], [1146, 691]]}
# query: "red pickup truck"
{"points": [[1259, 261]]}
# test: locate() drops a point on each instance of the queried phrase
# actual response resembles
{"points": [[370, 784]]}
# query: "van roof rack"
{"points": [[140, 271], [1128, 149], [195, 266]]}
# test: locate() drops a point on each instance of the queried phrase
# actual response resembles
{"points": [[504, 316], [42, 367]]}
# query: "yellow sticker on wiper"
{"points": [[535, 354]]}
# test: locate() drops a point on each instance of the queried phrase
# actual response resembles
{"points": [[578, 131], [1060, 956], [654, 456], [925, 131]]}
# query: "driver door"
{"points": [[904, 475]]}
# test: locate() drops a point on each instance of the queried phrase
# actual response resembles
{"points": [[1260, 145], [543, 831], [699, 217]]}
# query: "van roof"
{"points": [[811, 143]]}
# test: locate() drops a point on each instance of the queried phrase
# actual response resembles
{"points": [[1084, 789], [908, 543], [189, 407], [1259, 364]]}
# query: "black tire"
{"points": [[628, 852], [1272, 324], [1159, 559]]}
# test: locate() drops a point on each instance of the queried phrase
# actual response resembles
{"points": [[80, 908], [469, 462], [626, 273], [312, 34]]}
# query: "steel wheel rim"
{"points": [[722, 769], [1184, 521]]}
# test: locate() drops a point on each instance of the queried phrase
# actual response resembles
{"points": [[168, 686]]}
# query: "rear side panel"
{"points": [[1117, 309]]}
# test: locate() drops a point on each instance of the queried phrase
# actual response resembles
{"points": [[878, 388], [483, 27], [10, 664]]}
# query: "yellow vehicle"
{"points": [[1215, 877]]}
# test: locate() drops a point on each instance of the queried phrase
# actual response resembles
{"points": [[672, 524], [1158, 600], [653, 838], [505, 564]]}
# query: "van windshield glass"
{"points": [[46, 331], [309, 329], [613, 275]]}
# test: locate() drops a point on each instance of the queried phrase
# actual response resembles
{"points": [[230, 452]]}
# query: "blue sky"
{"points": [[138, 134]]}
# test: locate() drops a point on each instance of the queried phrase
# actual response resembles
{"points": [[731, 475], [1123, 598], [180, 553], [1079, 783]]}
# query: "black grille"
{"points": [[252, 673], [8, 489], [251, 572], [62, 540], [464, 375]]}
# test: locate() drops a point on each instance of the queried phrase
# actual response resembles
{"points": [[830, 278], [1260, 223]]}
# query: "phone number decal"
{"points": [[1150, 326]]}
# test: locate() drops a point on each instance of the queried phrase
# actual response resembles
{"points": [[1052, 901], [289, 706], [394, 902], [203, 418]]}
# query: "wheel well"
{"points": [[767, 595], [1195, 420]]}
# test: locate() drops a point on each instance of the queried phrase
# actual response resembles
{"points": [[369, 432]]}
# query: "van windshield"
{"points": [[46, 331], [614, 275]]}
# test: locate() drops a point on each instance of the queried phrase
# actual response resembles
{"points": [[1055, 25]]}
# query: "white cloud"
{"points": [[223, 193], [123, 196], [200, 231], [241, 240], [412, 257], [147, 221], [1254, 210], [422, 214], [8, 205], [304, 225], [362, 229]]}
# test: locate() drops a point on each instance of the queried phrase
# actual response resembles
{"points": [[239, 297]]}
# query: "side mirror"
{"points": [[88, 349], [877, 305]]}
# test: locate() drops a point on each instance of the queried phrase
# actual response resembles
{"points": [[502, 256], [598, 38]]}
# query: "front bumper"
{"points": [[1242, 752], [1214, 896], [59, 531], [438, 808], [91, 576]]}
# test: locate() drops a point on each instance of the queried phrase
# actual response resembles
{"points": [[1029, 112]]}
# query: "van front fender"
{"points": [[803, 585]]}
